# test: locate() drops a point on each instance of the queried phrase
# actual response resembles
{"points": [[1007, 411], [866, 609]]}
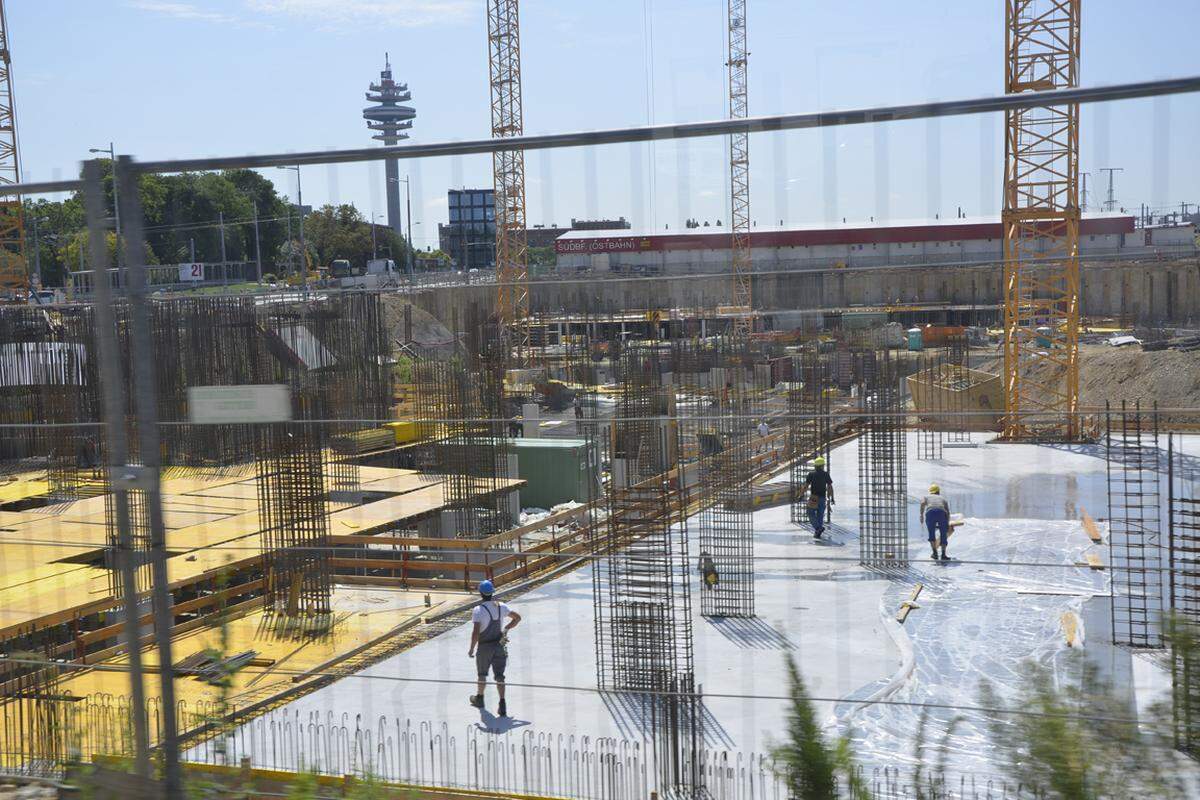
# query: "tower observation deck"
{"points": [[390, 121]]}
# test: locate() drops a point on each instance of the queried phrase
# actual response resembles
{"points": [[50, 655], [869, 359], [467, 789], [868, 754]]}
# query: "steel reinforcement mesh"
{"points": [[931, 418], [808, 426], [1134, 470], [1183, 504], [882, 471], [642, 597], [725, 442]]}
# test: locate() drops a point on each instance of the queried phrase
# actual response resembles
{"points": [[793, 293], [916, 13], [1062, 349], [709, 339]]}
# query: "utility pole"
{"points": [[374, 244], [224, 262], [408, 211], [257, 244], [300, 209], [1084, 200], [192, 248], [291, 250], [1111, 202]]}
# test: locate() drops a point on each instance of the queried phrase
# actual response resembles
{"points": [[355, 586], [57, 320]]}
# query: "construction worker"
{"points": [[764, 430], [708, 572], [935, 511], [820, 492], [489, 643]]}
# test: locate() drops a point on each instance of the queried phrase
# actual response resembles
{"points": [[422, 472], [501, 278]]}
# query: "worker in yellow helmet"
{"points": [[820, 491], [935, 512], [708, 571]]}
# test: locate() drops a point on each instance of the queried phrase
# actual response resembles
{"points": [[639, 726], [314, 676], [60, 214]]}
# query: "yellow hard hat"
{"points": [[819, 461], [934, 488]]}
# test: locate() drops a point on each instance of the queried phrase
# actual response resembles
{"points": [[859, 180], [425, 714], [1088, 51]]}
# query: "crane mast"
{"points": [[739, 171], [508, 167], [1041, 224], [14, 276]]}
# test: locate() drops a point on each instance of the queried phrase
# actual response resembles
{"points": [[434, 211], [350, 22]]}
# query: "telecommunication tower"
{"points": [[390, 120]]}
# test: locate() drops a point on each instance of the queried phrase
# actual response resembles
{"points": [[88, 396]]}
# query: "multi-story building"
{"points": [[470, 236]]}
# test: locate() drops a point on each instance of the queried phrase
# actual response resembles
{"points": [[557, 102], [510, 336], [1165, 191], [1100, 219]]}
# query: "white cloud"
{"points": [[190, 13], [347, 14]]}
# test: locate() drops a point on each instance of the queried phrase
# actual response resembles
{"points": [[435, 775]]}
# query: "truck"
{"points": [[381, 266]]}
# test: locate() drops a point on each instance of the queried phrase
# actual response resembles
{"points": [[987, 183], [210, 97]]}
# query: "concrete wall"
{"points": [[1149, 292]]}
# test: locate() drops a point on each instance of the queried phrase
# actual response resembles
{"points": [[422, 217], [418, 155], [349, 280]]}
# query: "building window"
{"points": [[453, 213]]}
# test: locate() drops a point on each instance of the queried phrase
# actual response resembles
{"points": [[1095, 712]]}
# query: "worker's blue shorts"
{"points": [[937, 521]]}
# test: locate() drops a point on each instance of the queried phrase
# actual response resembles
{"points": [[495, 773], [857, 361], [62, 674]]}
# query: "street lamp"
{"points": [[112, 157], [37, 250], [300, 206], [408, 211]]}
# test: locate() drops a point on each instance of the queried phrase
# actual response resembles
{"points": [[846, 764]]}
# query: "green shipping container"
{"points": [[557, 470]]}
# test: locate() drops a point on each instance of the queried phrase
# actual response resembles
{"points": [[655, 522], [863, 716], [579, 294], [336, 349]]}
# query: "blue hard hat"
{"points": [[486, 588]]}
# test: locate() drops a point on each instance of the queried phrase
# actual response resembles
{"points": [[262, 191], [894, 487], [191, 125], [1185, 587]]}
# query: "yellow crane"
{"points": [[1041, 224], [508, 168], [14, 276]]}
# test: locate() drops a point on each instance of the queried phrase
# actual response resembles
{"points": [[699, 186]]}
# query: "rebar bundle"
{"points": [[882, 471], [35, 716], [1134, 467]]}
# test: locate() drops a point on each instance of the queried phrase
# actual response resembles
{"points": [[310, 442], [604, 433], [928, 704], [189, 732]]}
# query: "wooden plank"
{"points": [[1070, 627], [1090, 527], [1093, 561], [909, 604]]}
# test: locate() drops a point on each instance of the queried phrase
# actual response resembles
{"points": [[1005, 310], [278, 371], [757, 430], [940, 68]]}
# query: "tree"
{"points": [[341, 232], [1075, 739], [812, 767]]}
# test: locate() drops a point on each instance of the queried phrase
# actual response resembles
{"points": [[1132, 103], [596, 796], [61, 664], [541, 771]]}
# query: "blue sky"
{"points": [[177, 79]]}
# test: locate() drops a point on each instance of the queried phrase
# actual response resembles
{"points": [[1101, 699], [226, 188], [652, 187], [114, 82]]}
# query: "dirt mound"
{"points": [[426, 329], [1113, 374]]}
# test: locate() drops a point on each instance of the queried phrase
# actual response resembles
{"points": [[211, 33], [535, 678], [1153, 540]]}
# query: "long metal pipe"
{"points": [[690, 130], [145, 395], [112, 386], [646, 133]]}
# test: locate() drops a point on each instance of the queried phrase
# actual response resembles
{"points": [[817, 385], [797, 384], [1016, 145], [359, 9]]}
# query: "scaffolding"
{"points": [[882, 470], [1134, 467]]}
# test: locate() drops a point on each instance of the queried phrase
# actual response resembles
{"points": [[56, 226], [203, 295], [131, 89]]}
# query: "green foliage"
{"points": [[812, 767], [341, 232], [542, 257], [404, 369], [1067, 735], [304, 787]]}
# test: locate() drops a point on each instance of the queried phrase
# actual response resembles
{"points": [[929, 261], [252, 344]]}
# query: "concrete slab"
{"points": [[979, 617]]}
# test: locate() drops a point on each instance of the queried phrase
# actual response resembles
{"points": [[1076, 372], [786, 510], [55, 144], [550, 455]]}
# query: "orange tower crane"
{"points": [[508, 167], [1041, 224], [14, 276], [739, 171]]}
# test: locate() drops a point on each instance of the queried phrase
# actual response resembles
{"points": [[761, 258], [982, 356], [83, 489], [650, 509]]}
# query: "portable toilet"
{"points": [[914, 339]]}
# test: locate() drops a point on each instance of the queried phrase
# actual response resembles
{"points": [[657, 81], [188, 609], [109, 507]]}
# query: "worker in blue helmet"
{"points": [[489, 642]]}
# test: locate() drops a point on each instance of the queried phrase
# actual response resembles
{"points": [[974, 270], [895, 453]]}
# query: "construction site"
{"points": [[243, 537]]}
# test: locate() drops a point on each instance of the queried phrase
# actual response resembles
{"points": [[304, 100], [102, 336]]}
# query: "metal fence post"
{"points": [[112, 382], [142, 369]]}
